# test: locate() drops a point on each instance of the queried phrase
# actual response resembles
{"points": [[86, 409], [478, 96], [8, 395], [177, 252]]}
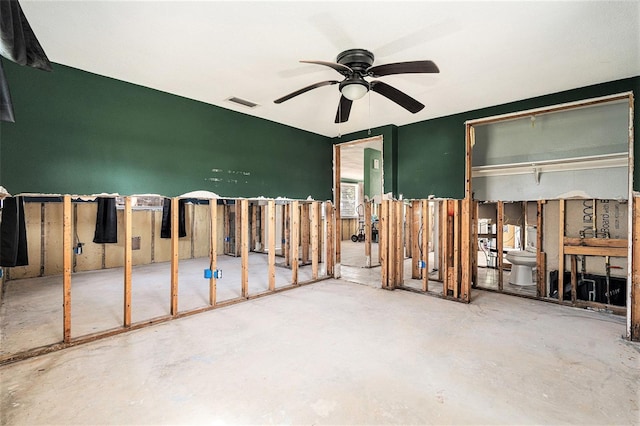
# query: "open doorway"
{"points": [[359, 188]]}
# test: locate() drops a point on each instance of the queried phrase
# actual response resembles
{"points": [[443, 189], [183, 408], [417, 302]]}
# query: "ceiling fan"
{"points": [[355, 65]]}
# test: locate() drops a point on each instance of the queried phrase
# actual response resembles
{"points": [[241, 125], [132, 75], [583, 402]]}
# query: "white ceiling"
{"points": [[352, 158], [488, 52]]}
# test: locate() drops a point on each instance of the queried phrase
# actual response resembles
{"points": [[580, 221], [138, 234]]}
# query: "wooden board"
{"points": [[338, 217], [634, 332], [425, 244], [367, 234], [596, 242], [596, 251], [541, 284], [271, 214], [561, 220], [500, 244], [295, 240], [305, 231], [244, 245], [315, 219], [128, 228], [415, 240], [383, 243], [456, 248], [66, 267], [287, 234], [175, 236], [213, 250], [331, 235], [466, 254]]}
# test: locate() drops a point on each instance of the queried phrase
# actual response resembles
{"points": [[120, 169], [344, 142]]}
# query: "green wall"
{"points": [[431, 154], [372, 176], [80, 133]]}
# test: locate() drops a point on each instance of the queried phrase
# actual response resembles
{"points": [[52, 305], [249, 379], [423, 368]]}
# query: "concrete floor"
{"points": [[339, 352], [31, 311]]}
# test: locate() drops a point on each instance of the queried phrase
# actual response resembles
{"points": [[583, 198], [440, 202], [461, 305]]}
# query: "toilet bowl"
{"points": [[522, 264]]}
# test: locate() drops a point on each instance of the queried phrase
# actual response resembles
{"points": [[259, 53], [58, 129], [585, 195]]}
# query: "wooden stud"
{"points": [[367, 234], [331, 236], [632, 301], [128, 233], [271, 241], [574, 278], [315, 219], [425, 244], [443, 229], [407, 229], [438, 239], [473, 247], [213, 250], [383, 243], [320, 232], [561, 250], [192, 231], [338, 219], [175, 235], [305, 231], [391, 245], [540, 258], [244, 245], [67, 252], [451, 237], [456, 248], [415, 240], [634, 308], [468, 221], [254, 227], [263, 228], [466, 252], [295, 240], [287, 234], [500, 243], [227, 229], [238, 228], [399, 232]]}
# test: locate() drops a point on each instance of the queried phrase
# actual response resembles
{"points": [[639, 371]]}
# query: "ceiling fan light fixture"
{"points": [[353, 89]]}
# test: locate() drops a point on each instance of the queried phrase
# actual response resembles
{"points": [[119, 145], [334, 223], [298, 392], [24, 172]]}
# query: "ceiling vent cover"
{"points": [[242, 102]]}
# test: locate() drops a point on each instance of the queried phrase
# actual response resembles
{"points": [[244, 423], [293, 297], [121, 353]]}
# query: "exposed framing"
{"points": [[175, 313], [633, 292]]}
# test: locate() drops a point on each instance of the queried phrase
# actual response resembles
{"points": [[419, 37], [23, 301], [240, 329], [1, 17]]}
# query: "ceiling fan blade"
{"points": [[305, 89], [342, 69], [401, 98], [413, 67], [344, 108]]}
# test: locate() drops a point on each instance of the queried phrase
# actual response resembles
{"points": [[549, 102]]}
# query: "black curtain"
{"points": [[20, 45], [106, 221], [165, 231], [13, 233]]}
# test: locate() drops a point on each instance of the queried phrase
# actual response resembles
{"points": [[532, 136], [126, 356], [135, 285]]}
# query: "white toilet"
{"points": [[523, 261]]}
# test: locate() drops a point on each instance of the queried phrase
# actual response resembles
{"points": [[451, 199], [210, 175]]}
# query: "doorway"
{"points": [[358, 183]]}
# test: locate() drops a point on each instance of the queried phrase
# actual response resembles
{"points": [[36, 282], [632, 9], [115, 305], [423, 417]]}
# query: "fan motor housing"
{"points": [[356, 59]]}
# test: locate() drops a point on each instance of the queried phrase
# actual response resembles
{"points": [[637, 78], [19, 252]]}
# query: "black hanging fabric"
{"points": [[13, 234], [6, 106], [19, 44], [165, 231], [106, 221]]}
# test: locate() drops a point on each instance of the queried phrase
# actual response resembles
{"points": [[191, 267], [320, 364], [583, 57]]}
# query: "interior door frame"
{"points": [[337, 188]]}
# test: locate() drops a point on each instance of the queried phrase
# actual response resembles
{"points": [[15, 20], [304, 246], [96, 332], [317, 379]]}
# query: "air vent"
{"points": [[242, 102]]}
